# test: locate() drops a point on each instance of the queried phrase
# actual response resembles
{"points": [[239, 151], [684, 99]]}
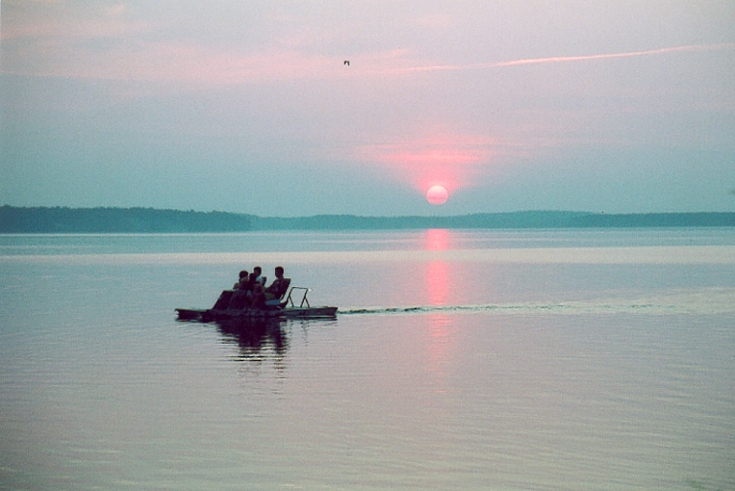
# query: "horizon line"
{"points": [[102, 207]]}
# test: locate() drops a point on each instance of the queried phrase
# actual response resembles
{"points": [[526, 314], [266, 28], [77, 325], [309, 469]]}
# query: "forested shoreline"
{"points": [[150, 220], [117, 220]]}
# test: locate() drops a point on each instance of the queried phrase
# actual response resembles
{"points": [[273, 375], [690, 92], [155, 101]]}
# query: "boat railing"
{"points": [[292, 297]]}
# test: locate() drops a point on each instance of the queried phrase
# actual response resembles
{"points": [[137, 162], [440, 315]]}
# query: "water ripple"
{"points": [[711, 301]]}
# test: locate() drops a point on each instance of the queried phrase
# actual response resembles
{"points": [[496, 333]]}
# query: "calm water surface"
{"points": [[503, 360]]}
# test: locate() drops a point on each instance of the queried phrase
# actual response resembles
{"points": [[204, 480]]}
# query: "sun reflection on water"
{"points": [[437, 271], [442, 336]]}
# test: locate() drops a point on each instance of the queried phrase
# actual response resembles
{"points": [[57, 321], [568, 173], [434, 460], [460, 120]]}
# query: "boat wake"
{"points": [[561, 308], [713, 302]]}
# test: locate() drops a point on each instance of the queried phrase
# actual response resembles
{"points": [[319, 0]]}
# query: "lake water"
{"points": [[472, 360]]}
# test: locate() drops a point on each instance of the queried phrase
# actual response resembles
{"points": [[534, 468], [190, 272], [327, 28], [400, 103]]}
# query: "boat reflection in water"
{"points": [[255, 337]]}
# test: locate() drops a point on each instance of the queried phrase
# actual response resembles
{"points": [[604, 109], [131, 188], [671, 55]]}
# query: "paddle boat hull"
{"points": [[290, 307]]}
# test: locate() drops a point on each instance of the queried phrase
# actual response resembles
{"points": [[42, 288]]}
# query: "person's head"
{"points": [[243, 274], [257, 270], [279, 271]]}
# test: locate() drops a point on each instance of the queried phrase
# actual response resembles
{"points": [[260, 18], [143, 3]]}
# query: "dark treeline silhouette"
{"points": [[148, 220], [117, 220], [523, 219]]}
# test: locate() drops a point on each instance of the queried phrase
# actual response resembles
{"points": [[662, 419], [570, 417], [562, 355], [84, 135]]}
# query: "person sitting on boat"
{"points": [[275, 290], [242, 282], [279, 286], [258, 295], [256, 277], [241, 295], [255, 286]]}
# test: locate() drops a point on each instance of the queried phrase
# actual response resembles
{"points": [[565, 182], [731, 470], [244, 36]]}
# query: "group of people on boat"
{"points": [[251, 291]]}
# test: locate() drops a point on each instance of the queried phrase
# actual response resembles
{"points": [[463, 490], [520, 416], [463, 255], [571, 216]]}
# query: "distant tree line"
{"points": [[117, 220], [523, 219], [149, 220]]}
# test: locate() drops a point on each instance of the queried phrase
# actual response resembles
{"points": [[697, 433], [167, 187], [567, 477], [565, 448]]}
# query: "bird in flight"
{"points": [[347, 62]]}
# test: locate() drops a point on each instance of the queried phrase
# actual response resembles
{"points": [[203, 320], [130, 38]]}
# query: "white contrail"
{"points": [[566, 59]]}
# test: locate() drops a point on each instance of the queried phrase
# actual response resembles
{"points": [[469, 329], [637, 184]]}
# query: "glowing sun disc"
{"points": [[437, 195]]}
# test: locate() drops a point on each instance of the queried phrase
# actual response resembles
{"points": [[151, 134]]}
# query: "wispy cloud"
{"points": [[114, 42], [569, 59]]}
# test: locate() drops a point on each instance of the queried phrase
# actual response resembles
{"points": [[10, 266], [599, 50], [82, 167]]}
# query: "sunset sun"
{"points": [[437, 195]]}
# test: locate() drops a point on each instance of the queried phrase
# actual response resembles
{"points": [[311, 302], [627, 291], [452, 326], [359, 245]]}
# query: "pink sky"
{"points": [[509, 105]]}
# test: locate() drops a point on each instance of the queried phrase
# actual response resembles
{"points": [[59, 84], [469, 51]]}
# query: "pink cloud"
{"points": [[111, 43], [446, 159]]}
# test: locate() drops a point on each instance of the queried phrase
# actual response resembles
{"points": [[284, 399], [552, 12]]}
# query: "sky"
{"points": [[300, 108]]}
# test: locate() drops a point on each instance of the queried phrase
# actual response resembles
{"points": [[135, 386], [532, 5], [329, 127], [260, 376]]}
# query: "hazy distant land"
{"points": [[149, 220]]}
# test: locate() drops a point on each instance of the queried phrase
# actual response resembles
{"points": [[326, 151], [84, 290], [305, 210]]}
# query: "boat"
{"points": [[293, 305]]}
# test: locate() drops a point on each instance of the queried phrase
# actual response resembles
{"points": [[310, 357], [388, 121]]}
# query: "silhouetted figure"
{"points": [[255, 277], [242, 282], [347, 62], [256, 286], [279, 286]]}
